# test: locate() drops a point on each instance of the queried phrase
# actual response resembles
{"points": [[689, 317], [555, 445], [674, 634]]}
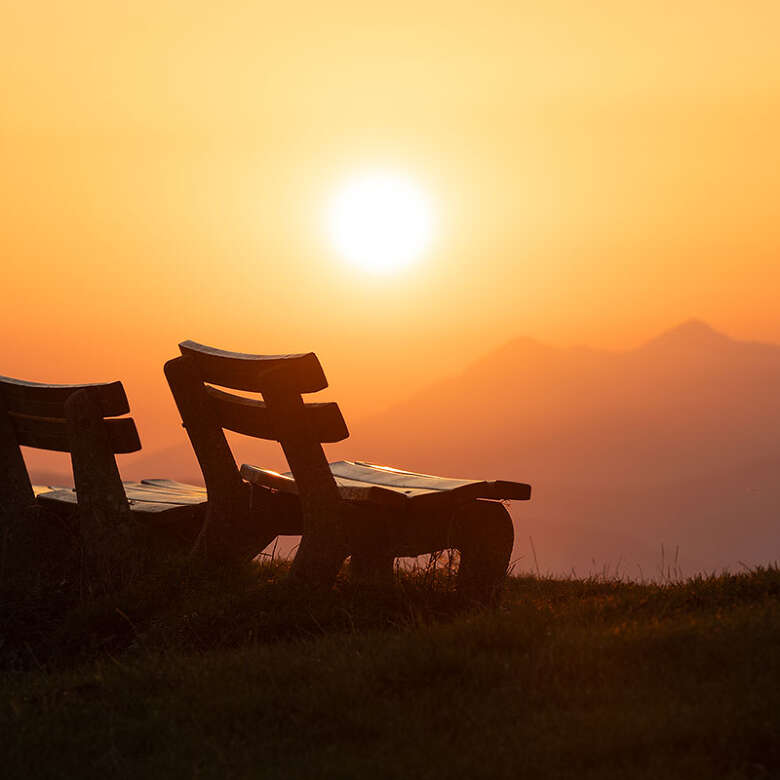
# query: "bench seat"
{"points": [[363, 482], [147, 497]]}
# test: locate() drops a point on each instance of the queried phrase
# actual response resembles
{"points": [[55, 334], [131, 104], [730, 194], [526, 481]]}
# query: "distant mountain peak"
{"points": [[691, 334]]}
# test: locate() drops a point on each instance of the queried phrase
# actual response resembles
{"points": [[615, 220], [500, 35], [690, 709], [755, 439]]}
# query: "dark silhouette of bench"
{"points": [[373, 513], [89, 422]]}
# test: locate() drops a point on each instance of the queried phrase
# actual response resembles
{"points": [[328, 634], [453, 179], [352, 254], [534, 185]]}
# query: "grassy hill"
{"points": [[197, 671]]}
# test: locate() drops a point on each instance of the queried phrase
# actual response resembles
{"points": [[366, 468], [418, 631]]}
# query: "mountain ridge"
{"points": [[646, 439]]}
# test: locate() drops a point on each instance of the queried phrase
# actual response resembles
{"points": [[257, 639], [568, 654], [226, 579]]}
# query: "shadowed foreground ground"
{"points": [[209, 673]]}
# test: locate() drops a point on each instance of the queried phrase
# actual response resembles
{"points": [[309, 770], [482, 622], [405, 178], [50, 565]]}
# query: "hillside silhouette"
{"points": [[676, 442]]}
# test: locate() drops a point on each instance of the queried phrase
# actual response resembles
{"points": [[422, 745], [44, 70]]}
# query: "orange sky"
{"points": [[602, 171]]}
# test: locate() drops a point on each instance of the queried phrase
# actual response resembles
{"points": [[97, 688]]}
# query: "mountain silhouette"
{"points": [[675, 443]]}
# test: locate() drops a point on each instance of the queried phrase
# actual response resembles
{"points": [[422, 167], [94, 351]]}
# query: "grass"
{"points": [[201, 671]]}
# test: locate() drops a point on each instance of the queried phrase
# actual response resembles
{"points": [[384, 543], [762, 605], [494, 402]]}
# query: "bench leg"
{"points": [[372, 553], [481, 531], [373, 567], [484, 535]]}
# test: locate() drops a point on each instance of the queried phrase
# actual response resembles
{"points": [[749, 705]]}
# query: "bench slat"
{"points": [[301, 373], [41, 489], [147, 499], [140, 491], [44, 400], [388, 476], [172, 484], [60, 498], [322, 422], [366, 482], [49, 433], [175, 487]]}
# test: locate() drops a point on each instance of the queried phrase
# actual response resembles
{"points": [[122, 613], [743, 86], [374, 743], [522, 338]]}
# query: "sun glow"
{"points": [[380, 221]]}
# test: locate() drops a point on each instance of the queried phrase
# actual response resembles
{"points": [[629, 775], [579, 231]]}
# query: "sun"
{"points": [[380, 221]]}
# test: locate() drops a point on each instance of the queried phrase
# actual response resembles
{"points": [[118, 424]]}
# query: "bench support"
{"points": [[481, 531], [16, 493], [323, 548], [484, 536], [102, 504], [231, 526]]}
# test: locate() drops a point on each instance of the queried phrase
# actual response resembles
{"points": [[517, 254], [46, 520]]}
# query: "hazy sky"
{"points": [[602, 171]]}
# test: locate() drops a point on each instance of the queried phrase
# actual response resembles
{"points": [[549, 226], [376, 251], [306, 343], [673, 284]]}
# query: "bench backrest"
{"points": [[301, 428], [83, 420]]}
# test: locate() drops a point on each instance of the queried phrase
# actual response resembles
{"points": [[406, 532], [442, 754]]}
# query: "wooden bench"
{"points": [[89, 422], [373, 513]]}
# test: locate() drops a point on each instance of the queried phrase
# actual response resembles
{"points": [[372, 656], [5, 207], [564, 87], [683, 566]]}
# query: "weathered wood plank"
{"points": [[172, 484], [268, 478], [67, 497], [365, 482], [349, 490], [139, 491], [49, 433], [156, 508], [57, 496], [147, 508], [40, 490], [141, 497], [299, 373], [418, 486], [322, 422], [389, 476], [45, 400]]}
